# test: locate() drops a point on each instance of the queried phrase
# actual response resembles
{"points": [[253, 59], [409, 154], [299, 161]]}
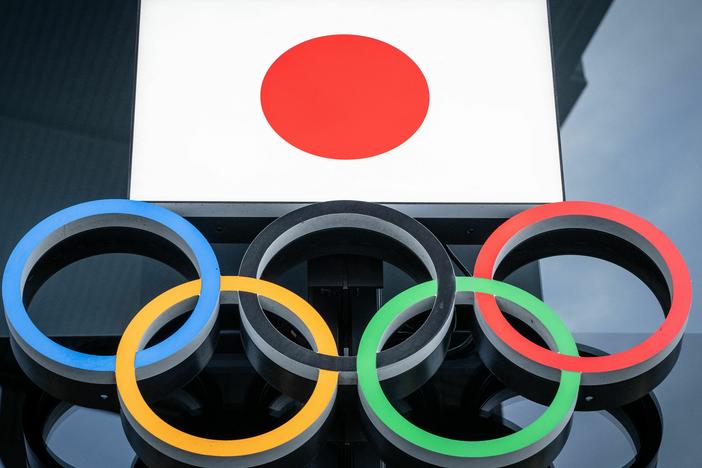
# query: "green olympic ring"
{"points": [[431, 447]]}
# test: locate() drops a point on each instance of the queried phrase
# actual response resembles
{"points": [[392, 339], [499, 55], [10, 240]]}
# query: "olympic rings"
{"points": [[192, 450], [588, 381], [442, 451], [408, 364], [88, 379], [612, 234]]}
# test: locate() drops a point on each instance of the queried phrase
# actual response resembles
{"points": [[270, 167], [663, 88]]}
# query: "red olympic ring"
{"points": [[672, 326]]}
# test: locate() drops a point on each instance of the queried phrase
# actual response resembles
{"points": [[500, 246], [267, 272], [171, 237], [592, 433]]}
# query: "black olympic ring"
{"points": [[405, 366]]}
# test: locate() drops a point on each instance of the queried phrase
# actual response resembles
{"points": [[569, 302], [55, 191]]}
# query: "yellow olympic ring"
{"points": [[136, 336]]}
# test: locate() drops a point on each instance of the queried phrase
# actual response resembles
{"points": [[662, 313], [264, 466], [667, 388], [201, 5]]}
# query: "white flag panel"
{"points": [[489, 134]]}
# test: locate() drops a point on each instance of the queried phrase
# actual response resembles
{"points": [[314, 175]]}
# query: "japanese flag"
{"points": [[439, 101]]}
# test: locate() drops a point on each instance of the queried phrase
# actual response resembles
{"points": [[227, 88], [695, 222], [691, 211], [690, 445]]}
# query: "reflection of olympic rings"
{"points": [[87, 378], [606, 382], [442, 451], [199, 451]]}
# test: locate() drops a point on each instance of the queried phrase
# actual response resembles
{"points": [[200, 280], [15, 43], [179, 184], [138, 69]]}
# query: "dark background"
{"points": [[629, 99]]}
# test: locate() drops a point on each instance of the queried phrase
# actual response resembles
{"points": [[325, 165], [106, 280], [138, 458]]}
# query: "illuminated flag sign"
{"points": [[382, 100]]}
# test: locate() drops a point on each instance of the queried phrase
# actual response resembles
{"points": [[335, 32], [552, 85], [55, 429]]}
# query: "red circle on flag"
{"points": [[344, 96]]}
